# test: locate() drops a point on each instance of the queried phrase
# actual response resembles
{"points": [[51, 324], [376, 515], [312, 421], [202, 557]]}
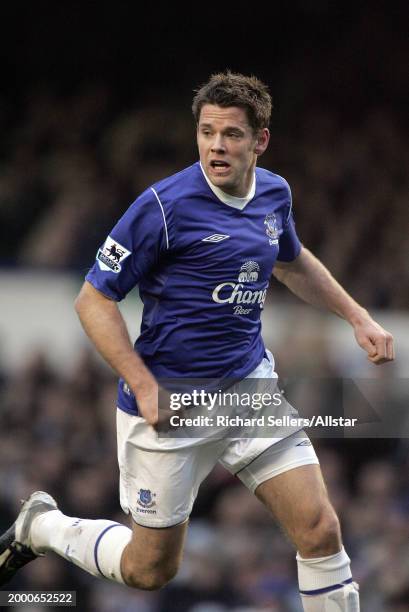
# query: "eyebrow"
{"points": [[229, 128]]}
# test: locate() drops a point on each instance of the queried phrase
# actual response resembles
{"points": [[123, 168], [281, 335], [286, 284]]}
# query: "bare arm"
{"points": [[105, 326], [310, 280]]}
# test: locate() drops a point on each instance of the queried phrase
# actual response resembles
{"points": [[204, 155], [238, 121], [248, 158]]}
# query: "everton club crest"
{"points": [[145, 498], [271, 228]]}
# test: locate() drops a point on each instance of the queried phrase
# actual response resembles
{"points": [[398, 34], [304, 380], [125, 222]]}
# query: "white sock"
{"points": [[326, 584], [95, 546]]}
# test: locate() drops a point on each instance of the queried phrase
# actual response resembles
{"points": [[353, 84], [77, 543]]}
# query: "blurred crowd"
{"points": [[71, 162], [57, 433], [71, 165]]}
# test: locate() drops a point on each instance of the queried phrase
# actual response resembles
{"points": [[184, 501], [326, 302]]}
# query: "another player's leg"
{"points": [[288, 480]]}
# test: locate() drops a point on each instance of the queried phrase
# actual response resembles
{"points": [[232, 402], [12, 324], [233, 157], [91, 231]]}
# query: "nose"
{"points": [[218, 145]]}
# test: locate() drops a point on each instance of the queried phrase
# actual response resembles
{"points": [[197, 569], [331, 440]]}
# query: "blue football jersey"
{"points": [[202, 268]]}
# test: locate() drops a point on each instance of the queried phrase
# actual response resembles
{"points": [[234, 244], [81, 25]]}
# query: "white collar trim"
{"points": [[228, 199]]}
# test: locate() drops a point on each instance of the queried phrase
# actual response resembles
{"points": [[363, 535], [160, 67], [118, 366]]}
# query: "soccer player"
{"points": [[201, 245]]}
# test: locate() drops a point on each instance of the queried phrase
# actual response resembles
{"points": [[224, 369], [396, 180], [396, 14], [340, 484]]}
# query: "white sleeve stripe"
{"points": [[164, 218], [291, 208], [291, 197]]}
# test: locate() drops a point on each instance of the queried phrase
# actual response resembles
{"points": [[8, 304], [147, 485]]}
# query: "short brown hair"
{"points": [[233, 89]]}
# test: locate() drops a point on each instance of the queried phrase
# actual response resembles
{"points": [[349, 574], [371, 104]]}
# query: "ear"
{"points": [[263, 138]]}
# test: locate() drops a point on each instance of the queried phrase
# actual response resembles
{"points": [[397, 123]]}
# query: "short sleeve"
{"points": [[289, 243], [132, 248]]}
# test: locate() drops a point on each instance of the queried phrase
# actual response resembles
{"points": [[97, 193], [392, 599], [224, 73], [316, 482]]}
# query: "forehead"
{"points": [[232, 115]]}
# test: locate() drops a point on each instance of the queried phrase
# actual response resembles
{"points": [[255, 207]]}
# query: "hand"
{"points": [[148, 404], [375, 340], [147, 397]]}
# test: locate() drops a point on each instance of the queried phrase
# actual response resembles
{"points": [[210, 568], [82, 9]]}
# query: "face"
{"points": [[229, 147]]}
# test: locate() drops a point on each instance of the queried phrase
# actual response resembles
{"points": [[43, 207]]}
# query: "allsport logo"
{"points": [[237, 294]]}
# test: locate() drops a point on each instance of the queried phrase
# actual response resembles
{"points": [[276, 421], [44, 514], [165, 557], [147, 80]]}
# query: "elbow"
{"points": [[78, 304], [280, 274], [90, 298], [82, 300]]}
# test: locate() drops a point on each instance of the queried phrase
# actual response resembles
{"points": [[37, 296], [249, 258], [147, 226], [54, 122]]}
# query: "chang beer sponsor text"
{"points": [[237, 293]]}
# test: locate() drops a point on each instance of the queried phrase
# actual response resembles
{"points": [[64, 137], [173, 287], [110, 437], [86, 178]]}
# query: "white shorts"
{"points": [[159, 488], [159, 484]]}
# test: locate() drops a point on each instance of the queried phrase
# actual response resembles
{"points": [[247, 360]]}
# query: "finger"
{"points": [[151, 416], [369, 347], [378, 359], [381, 347], [162, 426], [390, 348]]}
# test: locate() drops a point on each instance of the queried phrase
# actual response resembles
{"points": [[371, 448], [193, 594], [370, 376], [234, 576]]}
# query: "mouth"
{"points": [[219, 167]]}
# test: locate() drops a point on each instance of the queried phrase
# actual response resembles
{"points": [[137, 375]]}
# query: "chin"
{"points": [[222, 182]]}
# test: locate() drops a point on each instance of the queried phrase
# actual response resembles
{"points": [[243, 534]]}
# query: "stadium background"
{"points": [[94, 106]]}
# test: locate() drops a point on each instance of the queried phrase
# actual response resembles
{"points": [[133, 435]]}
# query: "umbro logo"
{"points": [[215, 238]]}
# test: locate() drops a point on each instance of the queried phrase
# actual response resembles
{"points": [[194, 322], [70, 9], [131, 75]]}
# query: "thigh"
{"points": [[297, 498], [255, 460]]}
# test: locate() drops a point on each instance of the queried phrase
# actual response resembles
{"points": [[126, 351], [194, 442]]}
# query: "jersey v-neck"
{"points": [[229, 200]]}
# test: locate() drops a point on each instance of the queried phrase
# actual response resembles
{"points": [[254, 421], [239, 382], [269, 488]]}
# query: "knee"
{"points": [[150, 578], [321, 535]]}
